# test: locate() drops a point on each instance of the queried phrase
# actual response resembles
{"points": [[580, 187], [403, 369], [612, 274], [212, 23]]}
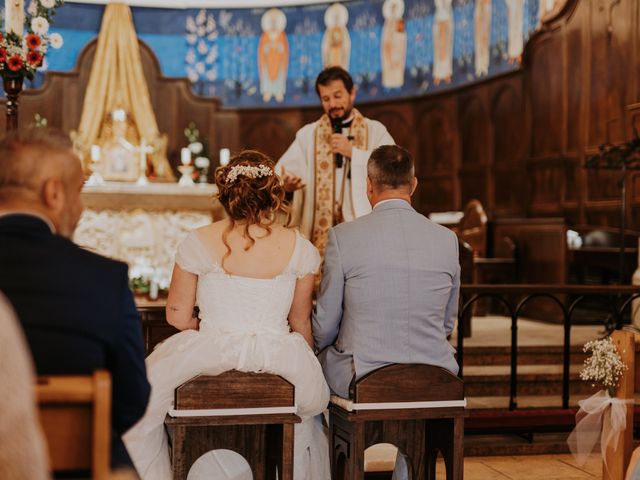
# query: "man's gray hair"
{"points": [[24, 156], [391, 167]]}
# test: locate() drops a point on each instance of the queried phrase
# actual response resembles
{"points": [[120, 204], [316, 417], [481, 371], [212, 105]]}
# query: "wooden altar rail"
{"points": [[514, 298]]}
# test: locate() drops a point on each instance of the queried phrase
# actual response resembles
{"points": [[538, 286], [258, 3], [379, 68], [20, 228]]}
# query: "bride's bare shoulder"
{"points": [[215, 227]]}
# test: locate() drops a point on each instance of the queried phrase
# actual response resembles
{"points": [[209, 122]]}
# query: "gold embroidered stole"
{"points": [[325, 201]]}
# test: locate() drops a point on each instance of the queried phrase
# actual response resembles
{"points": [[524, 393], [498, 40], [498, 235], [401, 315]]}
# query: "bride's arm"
{"points": [[300, 313], [182, 298]]}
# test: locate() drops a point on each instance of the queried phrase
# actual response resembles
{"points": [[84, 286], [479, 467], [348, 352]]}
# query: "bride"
{"points": [[252, 280]]}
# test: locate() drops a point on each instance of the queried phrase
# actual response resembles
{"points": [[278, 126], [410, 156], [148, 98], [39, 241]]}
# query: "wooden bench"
{"points": [[418, 408], [252, 414], [75, 414]]}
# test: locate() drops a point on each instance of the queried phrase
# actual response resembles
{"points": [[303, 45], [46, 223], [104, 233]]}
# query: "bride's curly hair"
{"points": [[253, 195]]}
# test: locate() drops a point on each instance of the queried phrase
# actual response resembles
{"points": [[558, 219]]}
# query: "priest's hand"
{"points": [[340, 144], [291, 183]]}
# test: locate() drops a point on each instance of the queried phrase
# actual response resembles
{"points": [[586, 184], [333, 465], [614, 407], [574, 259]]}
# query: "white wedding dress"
{"points": [[244, 327]]}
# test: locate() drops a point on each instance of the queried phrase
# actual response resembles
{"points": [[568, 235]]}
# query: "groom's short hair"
{"points": [[391, 166]]}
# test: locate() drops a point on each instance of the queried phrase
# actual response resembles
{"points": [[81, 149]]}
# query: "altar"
{"points": [[142, 225]]}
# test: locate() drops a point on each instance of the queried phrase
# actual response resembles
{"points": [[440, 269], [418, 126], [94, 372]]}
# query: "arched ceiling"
{"points": [[208, 3]]}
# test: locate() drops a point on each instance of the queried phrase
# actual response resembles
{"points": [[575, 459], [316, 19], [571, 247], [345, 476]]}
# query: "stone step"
{"points": [[530, 355], [512, 444], [541, 379]]}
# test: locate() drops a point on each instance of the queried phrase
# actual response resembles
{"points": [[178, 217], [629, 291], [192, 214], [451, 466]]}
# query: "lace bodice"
{"points": [[233, 303]]}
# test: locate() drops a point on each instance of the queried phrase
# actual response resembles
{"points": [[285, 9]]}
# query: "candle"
{"points": [[224, 156], [95, 153], [143, 155], [185, 156], [14, 16]]}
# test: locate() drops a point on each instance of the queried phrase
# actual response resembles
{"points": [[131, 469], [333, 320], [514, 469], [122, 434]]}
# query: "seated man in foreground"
{"points": [[390, 284], [75, 306]]}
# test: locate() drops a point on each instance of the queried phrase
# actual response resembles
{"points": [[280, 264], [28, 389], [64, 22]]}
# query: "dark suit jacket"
{"points": [[78, 315]]}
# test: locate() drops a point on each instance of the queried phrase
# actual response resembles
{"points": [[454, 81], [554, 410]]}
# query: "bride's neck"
{"points": [[256, 230]]}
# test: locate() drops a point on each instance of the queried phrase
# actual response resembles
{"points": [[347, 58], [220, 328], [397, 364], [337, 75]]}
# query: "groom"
{"points": [[390, 283]]}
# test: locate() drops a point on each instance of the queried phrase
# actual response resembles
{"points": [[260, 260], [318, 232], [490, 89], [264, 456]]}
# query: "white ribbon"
{"points": [[589, 430]]}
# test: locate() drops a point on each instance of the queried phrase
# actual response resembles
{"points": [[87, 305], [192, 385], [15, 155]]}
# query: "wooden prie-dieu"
{"points": [[252, 414], [418, 408]]}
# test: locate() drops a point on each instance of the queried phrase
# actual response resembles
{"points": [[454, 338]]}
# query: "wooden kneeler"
{"points": [[252, 414], [418, 408]]}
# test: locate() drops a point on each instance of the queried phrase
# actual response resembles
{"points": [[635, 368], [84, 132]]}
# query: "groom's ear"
{"points": [[414, 185]]}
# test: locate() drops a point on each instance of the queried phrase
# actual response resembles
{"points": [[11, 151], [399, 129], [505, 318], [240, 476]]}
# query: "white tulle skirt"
{"points": [[190, 353]]}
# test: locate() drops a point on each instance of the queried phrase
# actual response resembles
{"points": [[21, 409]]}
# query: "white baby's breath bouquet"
{"points": [[604, 366]]}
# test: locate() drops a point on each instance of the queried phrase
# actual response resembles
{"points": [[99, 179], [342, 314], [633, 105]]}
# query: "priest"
{"points": [[327, 162]]}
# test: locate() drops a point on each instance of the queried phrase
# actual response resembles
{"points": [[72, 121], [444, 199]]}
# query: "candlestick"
{"points": [[185, 156], [143, 149], [14, 16], [95, 153], [225, 155], [95, 178]]}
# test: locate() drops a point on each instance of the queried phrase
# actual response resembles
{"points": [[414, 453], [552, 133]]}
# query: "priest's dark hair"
{"points": [[334, 73], [391, 167]]}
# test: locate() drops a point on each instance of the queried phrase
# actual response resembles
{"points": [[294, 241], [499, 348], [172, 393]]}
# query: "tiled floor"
{"points": [[546, 467]]}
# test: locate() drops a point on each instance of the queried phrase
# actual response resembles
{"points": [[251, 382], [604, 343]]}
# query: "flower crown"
{"points": [[248, 171]]}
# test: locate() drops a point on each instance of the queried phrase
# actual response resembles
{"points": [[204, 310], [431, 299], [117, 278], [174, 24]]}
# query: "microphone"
{"points": [[336, 123]]}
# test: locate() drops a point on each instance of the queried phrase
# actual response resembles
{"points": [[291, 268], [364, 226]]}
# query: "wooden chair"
{"points": [[627, 344], [473, 227], [75, 414], [252, 414], [418, 408]]}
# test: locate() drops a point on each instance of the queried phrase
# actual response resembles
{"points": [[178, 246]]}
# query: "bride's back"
{"points": [[267, 258]]}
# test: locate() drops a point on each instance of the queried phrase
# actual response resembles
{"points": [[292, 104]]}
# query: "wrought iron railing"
{"points": [[514, 298]]}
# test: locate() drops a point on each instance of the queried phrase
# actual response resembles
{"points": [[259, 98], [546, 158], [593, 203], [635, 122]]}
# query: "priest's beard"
{"points": [[336, 113]]}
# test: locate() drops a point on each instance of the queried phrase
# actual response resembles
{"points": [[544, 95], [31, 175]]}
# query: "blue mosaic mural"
{"points": [[270, 57]]}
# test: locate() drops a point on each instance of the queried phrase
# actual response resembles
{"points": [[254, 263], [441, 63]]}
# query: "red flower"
{"points": [[33, 41], [3, 55], [34, 58], [15, 63]]}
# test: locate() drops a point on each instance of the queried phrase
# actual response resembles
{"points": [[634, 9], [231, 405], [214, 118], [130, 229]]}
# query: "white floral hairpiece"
{"points": [[248, 171]]}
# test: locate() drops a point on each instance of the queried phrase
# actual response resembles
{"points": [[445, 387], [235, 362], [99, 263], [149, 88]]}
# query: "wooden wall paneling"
{"points": [[547, 183], [620, 73], [577, 55], [597, 132], [476, 149], [227, 131], [270, 131], [541, 244], [545, 88], [510, 140], [398, 118], [575, 78], [634, 90], [633, 183], [438, 157], [610, 29]]}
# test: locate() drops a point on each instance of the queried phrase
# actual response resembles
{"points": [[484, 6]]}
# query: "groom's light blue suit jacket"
{"points": [[389, 294]]}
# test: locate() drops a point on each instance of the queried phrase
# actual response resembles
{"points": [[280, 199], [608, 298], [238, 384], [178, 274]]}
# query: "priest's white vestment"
{"points": [[299, 160]]}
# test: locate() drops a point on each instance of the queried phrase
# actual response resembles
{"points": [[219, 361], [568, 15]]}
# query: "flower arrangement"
{"points": [[198, 149], [604, 366], [21, 55]]}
